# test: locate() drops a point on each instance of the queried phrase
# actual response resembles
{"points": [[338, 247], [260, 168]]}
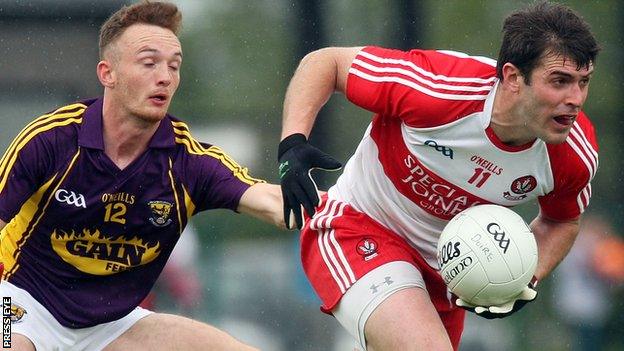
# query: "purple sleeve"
{"points": [[216, 181], [22, 171]]}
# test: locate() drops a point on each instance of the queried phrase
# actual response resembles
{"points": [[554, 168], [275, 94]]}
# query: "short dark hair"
{"points": [[541, 29], [162, 14]]}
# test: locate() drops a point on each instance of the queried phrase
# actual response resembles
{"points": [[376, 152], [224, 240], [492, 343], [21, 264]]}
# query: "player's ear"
{"points": [[105, 73], [512, 77]]}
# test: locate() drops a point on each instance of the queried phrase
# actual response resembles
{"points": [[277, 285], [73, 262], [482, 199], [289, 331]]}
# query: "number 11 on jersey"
{"points": [[479, 175]]}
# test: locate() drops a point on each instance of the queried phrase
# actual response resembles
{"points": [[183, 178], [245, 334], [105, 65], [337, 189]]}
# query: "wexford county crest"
{"points": [[160, 212], [17, 313]]}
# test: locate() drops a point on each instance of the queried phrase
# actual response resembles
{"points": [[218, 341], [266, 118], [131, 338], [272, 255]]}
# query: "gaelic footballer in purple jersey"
{"points": [[98, 266]]}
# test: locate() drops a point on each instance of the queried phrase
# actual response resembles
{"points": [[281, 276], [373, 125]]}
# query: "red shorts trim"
{"points": [[339, 245]]}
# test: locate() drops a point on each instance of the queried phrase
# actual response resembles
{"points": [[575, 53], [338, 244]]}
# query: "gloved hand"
{"points": [[296, 159], [527, 295]]}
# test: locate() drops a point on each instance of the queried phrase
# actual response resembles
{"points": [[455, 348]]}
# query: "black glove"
{"points": [[296, 159], [527, 295]]}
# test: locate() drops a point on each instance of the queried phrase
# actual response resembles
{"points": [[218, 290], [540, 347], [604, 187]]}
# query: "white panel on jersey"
{"points": [[367, 189], [458, 158]]}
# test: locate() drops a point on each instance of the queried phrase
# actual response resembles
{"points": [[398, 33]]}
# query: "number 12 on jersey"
{"points": [[115, 212], [479, 177]]}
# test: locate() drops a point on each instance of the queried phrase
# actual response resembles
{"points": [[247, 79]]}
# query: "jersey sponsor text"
{"points": [[435, 196], [94, 253]]}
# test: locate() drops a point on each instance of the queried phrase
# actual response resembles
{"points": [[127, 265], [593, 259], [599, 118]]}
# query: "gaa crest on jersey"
{"points": [[71, 198], [521, 186], [367, 248], [17, 313], [160, 212], [444, 150]]}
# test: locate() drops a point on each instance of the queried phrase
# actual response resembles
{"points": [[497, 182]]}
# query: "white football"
{"points": [[487, 254]]}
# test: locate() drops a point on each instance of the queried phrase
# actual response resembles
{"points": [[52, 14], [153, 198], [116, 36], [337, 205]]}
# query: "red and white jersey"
{"points": [[429, 152]]}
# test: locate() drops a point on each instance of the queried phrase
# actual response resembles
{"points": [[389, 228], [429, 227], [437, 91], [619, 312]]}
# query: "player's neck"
{"points": [[507, 121], [126, 137]]}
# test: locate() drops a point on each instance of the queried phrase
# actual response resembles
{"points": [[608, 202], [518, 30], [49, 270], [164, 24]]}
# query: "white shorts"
{"points": [[34, 321], [354, 264], [359, 302]]}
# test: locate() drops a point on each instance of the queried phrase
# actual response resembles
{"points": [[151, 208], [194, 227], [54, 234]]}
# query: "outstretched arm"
{"points": [[319, 75], [2, 224], [263, 201]]}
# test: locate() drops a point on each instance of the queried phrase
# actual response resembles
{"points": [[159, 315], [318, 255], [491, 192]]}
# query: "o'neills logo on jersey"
{"points": [[94, 253], [118, 197], [486, 164], [432, 193], [521, 186]]}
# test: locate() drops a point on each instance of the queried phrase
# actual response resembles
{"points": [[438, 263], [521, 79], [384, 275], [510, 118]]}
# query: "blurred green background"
{"points": [[238, 58]]}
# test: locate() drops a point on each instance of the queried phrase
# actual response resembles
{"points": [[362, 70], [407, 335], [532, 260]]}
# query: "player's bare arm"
{"points": [[319, 75], [263, 201], [554, 240], [2, 224]]}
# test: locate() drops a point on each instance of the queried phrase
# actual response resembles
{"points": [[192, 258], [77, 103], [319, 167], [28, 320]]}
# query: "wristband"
{"points": [[533, 282], [290, 142]]}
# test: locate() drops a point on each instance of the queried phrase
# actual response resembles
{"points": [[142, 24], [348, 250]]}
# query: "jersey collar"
{"points": [[91, 135]]}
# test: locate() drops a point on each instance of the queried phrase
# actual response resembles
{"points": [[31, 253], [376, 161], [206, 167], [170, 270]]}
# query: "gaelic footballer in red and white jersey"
{"points": [[429, 152]]}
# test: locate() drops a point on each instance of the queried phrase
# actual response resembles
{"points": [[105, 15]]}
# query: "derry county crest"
{"points": [[521, 186], [367, 248]]}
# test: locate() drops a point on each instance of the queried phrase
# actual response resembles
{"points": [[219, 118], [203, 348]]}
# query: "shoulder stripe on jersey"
{"points": [[576, 128], [419, 79], [415, 86], [181, 128], [188, 202], [483, 59], [183, 136], [584, 150], [191, 148], [58, 113], [582, 200], [587, 149], [62, 112], [175, 197], [34, 208], [575, 147], [47, 124], [424, 72]]}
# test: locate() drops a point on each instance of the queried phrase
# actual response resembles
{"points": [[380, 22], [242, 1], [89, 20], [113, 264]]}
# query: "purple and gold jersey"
{"points": [[88, 240]]}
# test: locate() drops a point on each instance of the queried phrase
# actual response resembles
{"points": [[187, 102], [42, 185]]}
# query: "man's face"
{"points": [[553, 100], [146, 63]]}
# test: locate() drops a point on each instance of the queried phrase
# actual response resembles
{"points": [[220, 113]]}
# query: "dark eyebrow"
{"points": [[568, 75], [561, 73]]}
